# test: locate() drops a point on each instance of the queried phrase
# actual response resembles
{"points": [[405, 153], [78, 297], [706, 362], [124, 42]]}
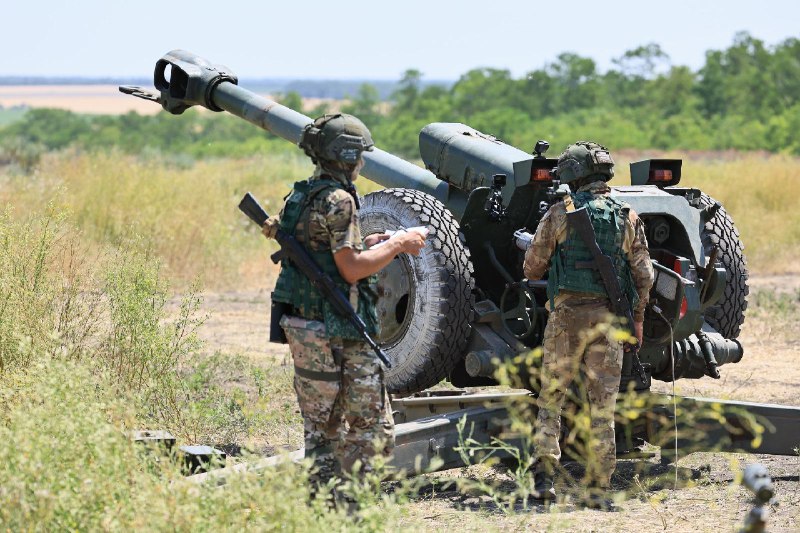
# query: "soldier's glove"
{"points": [[270, 227]]}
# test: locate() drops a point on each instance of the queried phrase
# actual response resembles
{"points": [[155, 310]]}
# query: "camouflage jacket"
{"points": [[552, 230], [327, 224]]}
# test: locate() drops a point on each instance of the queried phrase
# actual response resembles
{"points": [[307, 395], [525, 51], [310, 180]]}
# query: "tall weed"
{"points": [[37, 301], [66, 463], [579, 439], [108, 307], [186, 214]]}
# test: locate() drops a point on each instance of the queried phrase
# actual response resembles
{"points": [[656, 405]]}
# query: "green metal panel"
{"points": [[467, 159], [650, 200]]}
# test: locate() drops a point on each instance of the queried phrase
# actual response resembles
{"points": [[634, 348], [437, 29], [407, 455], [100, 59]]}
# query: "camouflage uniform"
{"points": [[339, 382], [572, 343]]}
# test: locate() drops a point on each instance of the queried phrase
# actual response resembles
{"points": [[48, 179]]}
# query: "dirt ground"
{"points": [[706, 497]]}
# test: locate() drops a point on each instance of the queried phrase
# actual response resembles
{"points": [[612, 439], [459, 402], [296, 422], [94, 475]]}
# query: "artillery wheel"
{"points": [[425, 302], [727, 315]]}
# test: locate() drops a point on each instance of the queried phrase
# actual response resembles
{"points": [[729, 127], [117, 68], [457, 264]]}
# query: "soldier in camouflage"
{"points": [[338, 380], [575, 342]]}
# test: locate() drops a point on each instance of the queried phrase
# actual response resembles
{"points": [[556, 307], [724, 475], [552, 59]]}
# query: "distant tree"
{"points": [[745, 96], [538, 94], [739, 80], [642, 62], [405, 97], [784, 72], [629, 84], [482, 89], [578, 85], [365, 105], [673, 93]]}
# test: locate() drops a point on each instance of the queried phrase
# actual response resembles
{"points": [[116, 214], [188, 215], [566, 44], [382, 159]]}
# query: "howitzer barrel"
{"points": [[195, 81]]}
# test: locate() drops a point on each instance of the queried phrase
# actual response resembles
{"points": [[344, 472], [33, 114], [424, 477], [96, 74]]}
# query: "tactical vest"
{"points": [[294, 288], [571, 266]]}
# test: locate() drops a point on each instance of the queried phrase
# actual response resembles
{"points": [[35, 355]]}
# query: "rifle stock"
{"points": [[250, 207]]}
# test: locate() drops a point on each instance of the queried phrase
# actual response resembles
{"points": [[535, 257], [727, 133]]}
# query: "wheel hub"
{"points": [[395, 299]]}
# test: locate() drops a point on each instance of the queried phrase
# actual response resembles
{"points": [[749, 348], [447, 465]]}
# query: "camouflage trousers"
{"points": [[577, 346], [347, 418]]}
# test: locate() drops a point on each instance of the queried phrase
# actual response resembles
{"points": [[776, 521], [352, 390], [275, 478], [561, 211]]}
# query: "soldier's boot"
{"points": [[344, 501], [543, 489], [599, 498]]}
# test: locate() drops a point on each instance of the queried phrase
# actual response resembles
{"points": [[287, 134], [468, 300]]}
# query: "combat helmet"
{"points": [[584, 159], [338, 138]]}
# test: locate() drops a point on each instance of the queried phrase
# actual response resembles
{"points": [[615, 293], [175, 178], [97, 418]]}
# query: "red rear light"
{"points": [[684, 307], [541, 174], [660, 176]]}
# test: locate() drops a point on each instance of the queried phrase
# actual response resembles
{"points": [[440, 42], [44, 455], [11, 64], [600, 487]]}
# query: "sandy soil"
{"points": [[706, 499], [101, 99], [94, 99]]}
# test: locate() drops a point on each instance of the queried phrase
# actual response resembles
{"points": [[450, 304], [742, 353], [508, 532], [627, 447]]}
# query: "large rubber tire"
{"points": [[425, 302], [727, 315]]}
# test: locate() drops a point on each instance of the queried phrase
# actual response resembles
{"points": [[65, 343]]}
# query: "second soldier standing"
{"points": [[578, 303], [338, 379]]}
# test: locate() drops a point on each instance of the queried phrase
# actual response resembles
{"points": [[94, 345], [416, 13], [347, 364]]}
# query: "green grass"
{"points": [[66, 463], [88, 353]]}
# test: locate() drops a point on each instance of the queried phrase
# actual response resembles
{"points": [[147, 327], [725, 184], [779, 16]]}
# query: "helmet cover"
{"points": [[583, 159], [336, 138]]}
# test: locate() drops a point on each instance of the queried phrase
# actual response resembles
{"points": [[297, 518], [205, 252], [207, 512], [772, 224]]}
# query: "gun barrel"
{"points": [[193, 80], [381, 167]]}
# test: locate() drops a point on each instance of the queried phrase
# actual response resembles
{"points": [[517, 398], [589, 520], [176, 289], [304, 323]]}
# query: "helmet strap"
{"points": [[332, 170]]}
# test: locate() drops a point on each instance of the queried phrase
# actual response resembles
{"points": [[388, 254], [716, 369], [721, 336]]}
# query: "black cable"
{"points": [[657, 309]]}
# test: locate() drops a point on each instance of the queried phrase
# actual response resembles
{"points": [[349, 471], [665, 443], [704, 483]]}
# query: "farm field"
{"points": [[95, 99]]}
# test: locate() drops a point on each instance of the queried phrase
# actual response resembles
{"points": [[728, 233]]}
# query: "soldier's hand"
{"points": [[638, 332], [412, 242], [375, 238], [270, 227]]}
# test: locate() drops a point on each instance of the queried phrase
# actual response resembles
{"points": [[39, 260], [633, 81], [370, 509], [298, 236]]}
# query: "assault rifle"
{"points": [[294, 251], [578, 219]]}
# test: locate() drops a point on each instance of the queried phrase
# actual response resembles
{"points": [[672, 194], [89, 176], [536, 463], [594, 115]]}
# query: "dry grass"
{"points": [[185, 210]]}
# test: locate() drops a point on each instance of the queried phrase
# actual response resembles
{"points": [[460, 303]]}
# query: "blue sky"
{"points": [[375, 40]]}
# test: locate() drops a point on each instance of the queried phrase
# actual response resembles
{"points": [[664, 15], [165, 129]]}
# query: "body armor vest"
{"points": [[295, 289], [572, 266]]}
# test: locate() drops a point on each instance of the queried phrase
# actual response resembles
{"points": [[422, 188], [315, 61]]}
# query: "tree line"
{"points": [[745, 97]]}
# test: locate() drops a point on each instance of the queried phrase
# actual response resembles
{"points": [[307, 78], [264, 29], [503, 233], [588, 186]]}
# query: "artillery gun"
{"points": [[463, 305]]}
